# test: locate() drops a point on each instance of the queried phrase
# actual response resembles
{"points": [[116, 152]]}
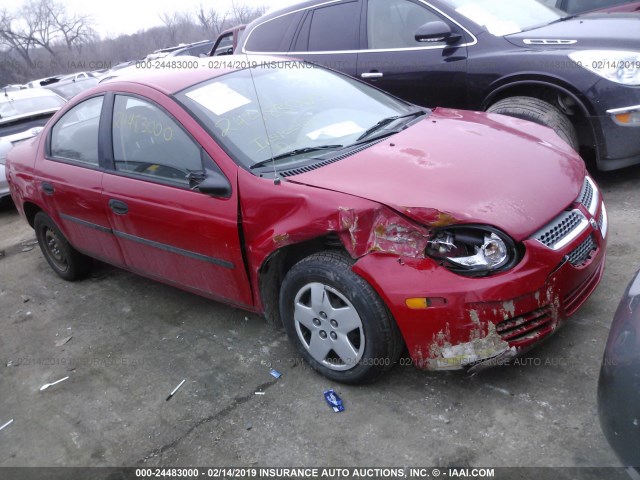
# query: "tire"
{"points": [[67, 262], [326, 306], [540, 112]]}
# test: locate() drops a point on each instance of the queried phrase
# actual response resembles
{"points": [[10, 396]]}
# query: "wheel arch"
{"points": [[558, 93], [30, 211], [274, 268]]}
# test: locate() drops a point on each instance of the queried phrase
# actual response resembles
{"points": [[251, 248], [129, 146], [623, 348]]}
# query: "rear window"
{"points": [[24, 106], [273, 35]]}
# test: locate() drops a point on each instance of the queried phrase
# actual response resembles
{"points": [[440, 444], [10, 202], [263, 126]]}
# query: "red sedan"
{"points": [[360, 223]]}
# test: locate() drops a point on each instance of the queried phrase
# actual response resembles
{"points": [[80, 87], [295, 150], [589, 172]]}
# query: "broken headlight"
{"points": [[472, 250]]}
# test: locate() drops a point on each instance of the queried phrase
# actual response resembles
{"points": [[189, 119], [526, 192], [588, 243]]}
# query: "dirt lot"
{"points": [[133, 340]]}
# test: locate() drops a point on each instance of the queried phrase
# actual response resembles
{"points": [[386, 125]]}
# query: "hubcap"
{"points": [[54, 249], [329, 326]]}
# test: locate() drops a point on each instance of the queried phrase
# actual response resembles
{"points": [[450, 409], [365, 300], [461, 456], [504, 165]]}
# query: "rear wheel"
{"points": [[67, 262], [540, 112], [337, 321]]}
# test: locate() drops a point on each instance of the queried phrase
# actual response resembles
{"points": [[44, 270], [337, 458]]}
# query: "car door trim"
{"points": [[336, 52], [151, 243], [84, 223]]}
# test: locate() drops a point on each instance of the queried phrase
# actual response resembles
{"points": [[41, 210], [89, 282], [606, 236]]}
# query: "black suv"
{"points": [[579, 75]]}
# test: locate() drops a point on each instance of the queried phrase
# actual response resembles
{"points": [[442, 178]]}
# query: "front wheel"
{"points": [[337, 321], [67, 262], [540, 112]]}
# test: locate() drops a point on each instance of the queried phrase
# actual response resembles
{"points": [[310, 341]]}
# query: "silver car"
{"points": [[23, 113]]}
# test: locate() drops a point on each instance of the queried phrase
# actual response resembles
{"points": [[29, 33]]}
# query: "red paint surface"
{"points": [[453, 167]]}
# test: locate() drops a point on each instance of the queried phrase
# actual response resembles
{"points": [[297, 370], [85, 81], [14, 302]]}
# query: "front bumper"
{"points": [[617, 143], [478, 320]]}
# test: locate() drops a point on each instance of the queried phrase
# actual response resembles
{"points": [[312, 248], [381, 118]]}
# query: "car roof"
{"points": [[26, 93], [171, 80]]}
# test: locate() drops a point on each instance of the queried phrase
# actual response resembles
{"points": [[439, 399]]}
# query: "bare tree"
{"points": [[243, 13], [176, 23], [211, 21], [42, 29], [14, 34], [75, 30]]}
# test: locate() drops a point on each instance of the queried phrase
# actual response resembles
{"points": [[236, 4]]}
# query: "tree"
{"points": [[75, 29], [15, 36], [211, 21], [243, 13], [175, 23]]}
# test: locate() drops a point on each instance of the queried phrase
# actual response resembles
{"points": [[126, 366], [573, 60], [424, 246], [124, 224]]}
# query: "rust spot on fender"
{"points": [[281, 239]]}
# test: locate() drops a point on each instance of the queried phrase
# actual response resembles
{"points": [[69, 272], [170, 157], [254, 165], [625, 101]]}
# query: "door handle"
{"points": [[118, 207], [47, 188], [371, 75]]}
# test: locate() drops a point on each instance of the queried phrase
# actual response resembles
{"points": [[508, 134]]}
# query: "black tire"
{"points": [[67, 262], [540, 112], [348, 298]]}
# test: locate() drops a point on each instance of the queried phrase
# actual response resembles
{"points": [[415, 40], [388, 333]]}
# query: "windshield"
{"points": [[300, 107], [501, 18], [17, 107]]}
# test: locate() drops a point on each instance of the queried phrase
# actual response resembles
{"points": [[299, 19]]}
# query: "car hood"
{"points": [[463, 167], [592, 30]]}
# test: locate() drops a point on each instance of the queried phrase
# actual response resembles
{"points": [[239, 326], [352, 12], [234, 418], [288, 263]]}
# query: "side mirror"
{"points": [[214, 184], [436, 32]]}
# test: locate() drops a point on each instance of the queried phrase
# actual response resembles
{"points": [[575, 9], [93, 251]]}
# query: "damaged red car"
{"points": [[362, 224]]}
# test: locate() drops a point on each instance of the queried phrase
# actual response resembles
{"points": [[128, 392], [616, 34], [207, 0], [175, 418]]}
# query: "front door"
{"points": [[428, 74], [167, 230]]}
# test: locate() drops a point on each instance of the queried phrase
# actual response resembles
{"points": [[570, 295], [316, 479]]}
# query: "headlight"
{"points": [[473, 250], [617, 66]]}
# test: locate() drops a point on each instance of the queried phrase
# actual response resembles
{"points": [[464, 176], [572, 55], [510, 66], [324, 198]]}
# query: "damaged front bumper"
{"points": [[474, 322]]}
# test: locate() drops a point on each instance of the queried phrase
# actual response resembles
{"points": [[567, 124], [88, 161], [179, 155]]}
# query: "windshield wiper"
{"points": [[293, 153], [386, 121]]}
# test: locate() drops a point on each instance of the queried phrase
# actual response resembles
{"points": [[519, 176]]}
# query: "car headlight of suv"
{"points": [[473, 250], [618, 66]]}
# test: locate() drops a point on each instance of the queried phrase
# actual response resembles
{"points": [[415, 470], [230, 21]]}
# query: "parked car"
{"points": [[579, 76], [584, 6], [42, 82], [197, 49], [227, 41], [77, 76], [619, 384], [358, 221], [71, 87], [12, 88], [23, 113]]}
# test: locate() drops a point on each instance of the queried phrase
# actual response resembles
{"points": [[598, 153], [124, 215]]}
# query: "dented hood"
{"points": [[464, 167]]}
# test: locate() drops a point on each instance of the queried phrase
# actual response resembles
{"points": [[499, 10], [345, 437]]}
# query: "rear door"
{"points": [[330, 36], [167, 230], [70, 179], [430, 75]]}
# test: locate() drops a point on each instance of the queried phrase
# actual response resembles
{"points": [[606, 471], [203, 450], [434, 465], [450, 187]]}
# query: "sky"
{"points": [[115, 17]]}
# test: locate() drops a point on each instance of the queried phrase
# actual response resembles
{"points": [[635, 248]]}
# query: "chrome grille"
{"points": [[562, 229], [589, 195], [582, 252]]}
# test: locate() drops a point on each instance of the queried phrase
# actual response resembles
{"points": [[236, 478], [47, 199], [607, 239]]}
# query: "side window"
{"points": [[146, 141], [225, 47], [335, 28], [393, 23], [75, 135]]}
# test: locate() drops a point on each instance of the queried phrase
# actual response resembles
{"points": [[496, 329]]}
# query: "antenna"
{"points": [[277, 180]]}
